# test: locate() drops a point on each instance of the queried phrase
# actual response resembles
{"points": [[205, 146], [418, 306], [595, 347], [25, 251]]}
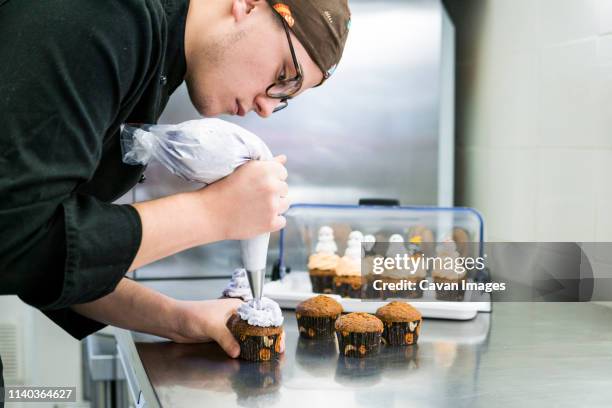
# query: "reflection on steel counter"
{"points": [[184, 373]]}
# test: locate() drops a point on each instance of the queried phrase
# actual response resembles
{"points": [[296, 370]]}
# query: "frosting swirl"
{"points": [[238, 286], [323, 261], [445, 251], [266, 313], [348, 266]]}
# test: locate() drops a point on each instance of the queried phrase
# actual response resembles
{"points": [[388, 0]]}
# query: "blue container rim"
{"points": [[381, 207]]}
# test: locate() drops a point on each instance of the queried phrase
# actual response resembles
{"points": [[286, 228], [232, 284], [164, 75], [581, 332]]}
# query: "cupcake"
{"points": [[402, 323], [238, 287], [257, 326], [447, 277], [358, 334], [405, 281], [316, 317], [367, 290], [426, 237], [348, 279], [322, 264]]}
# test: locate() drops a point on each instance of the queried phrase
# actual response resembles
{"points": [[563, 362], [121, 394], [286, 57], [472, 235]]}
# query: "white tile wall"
{"points": [[566, 20], [535, 106], [605, 16]]}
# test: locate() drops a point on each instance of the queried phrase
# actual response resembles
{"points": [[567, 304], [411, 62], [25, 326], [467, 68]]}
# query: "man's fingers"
{"points": [[279, 223], [283, 189]]}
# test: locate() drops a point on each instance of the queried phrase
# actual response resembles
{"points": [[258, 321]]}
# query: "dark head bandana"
{"points": [[321, 26]]}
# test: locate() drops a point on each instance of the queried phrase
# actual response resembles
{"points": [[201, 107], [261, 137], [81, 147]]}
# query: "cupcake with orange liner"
{"points": [[258, 328], [358, 334], [322, 264], [348, 279], [402, 323], [316, 317]]}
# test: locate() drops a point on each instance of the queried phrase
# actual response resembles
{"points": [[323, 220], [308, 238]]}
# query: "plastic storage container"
{"points": [[434, 224]]}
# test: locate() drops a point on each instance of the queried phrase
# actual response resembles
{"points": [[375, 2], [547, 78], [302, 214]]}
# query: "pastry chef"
{"points": [[73, 72]]}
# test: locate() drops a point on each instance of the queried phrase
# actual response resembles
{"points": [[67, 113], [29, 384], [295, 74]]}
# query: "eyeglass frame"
{"points": [[298, 77]]}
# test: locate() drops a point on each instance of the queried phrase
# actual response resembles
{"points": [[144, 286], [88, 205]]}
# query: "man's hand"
{"points": [[203, 321], [244, 204], [206, 320], [249, 201]]}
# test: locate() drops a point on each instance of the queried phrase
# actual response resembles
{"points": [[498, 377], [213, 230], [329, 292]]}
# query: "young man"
{"points": [[72, 72]]}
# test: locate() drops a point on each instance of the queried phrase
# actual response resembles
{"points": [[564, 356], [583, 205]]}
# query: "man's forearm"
{"points": [[135, 307], [173, 224]]}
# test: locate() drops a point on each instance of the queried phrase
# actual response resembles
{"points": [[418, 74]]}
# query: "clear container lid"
{"points": [[432, 224]]}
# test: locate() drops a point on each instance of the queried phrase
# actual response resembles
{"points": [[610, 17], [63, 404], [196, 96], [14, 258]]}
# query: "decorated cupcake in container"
{"points": [[367, 290], [258, 328], [358, 334], [446, 275], [316, 317], [411, 271], [238, 287], [348, 279], [322, 263], [402, 323]]}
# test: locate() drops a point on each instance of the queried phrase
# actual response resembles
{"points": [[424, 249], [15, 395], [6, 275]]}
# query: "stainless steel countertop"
{"points": [[522, 354]]}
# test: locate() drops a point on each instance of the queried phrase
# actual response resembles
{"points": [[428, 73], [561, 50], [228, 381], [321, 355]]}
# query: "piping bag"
{"points": [[204, 151]]}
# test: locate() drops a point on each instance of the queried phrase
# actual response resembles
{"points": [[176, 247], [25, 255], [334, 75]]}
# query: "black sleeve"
{"points": [[66, 69]]}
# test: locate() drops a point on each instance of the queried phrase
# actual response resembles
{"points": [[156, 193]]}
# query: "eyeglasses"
{"points": [[284, 88]]}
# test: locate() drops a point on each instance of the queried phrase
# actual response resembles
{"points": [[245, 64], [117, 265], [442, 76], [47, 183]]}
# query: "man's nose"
{"points": [[264, 105]]}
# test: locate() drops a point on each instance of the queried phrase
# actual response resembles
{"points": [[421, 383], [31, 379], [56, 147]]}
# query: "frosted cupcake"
{"points": [[445, 273], [368, 291], [411, 272], [322, 264], [238, 287], [258, 328], [348, 282]]}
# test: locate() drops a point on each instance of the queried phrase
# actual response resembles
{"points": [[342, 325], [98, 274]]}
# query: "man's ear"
{"points": [[241, 8]]}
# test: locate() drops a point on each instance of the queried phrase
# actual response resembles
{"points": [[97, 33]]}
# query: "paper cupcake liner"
{"points": [[402, 294], [311, 327], [399, 333], [322, 283], [451, 295], [358, 344], [368, 291], [347, 290], [259, 348]]}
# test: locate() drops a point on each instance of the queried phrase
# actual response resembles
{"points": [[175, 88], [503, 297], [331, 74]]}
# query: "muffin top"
{"points": [[321, 305], [239, 327], [359, 323], [398, 312]]}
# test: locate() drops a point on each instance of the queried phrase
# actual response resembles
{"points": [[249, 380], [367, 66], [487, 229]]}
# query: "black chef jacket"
{"points": [[71, 72]]}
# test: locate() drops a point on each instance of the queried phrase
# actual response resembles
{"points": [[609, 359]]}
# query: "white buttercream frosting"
{"points": [[369, 241], [350, 263], [396, 246], [353, 246], [238, 286], [356, 235], [447, 250], [325, 241], [262, 313]]}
